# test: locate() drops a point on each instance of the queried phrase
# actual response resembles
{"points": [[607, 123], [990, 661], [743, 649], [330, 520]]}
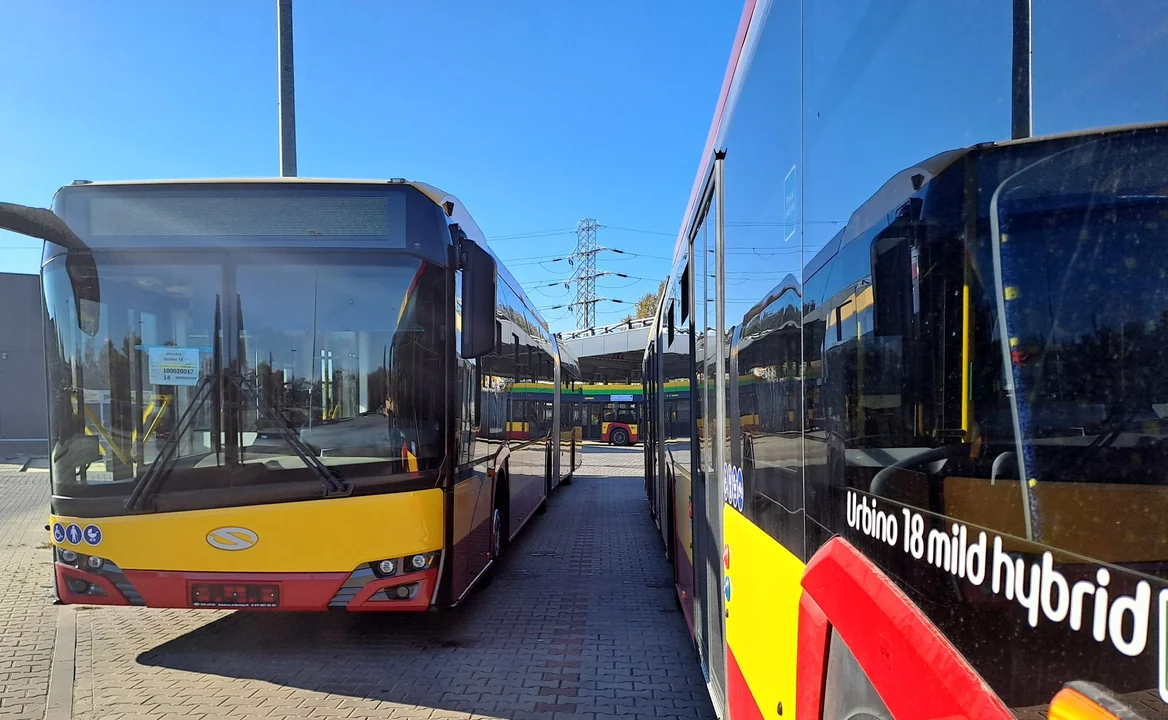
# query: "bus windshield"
{"points": [[245, 361], [1081, 278]]}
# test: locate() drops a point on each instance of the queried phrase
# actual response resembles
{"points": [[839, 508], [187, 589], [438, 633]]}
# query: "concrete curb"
{"points": [[62, 671]]}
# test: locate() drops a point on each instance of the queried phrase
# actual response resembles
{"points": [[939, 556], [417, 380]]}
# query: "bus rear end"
{"points": [[243, 409]]}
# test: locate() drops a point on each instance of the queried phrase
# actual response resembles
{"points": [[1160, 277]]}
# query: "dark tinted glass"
{"points": [[309, 344]]}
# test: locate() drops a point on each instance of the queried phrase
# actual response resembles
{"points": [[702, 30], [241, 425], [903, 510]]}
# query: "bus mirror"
{"points": [[82, 271], [479, 277], [79, 264]]}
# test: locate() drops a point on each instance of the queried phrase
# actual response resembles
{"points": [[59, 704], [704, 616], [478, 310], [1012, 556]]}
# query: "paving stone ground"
{"points": [[27, 616], [579, 622]]}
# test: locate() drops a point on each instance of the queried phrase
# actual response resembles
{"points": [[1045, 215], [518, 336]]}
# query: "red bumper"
{"points": [[357, 591]]}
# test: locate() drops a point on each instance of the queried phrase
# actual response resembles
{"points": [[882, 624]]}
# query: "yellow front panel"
{"points": [[333, 535], [762, 625]]}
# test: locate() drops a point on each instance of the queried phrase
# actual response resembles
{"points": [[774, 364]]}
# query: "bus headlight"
{"points": [[67, 555], [387, 567], [94, 563], [419, 562]]}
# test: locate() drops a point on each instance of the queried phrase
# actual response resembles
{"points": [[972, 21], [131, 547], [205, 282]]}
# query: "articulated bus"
{"points": [[926, 469], [613, 412], [532, 409], [280, 394]]}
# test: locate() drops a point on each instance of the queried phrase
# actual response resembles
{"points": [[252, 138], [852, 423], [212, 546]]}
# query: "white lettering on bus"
{"points": [[1038, 587], [871, 521]]}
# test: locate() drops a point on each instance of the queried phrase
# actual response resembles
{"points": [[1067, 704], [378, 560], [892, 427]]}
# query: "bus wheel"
{"points": [[619, 437], [497, 534]]}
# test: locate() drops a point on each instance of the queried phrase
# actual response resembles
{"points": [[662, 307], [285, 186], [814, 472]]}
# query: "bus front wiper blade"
{"points": [[168, 453], [335, 484]]}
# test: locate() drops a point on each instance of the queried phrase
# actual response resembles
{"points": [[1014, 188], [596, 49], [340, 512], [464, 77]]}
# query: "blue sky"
{"points": [[535, 115]]}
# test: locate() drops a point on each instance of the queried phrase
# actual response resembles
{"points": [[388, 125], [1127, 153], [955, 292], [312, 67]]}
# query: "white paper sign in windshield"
{"points": [[174, 366]]}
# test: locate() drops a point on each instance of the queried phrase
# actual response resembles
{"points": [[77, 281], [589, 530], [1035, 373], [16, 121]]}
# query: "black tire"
{"points": [[498, 535], [500, 521], [620, 436]]}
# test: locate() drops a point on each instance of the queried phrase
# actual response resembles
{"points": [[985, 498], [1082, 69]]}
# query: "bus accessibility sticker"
{"points": [[174, 366]]}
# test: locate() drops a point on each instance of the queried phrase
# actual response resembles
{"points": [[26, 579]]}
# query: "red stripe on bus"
{"points": [[739, 700], [298, 591], [812, 660], [893, 640], [112, 595]]}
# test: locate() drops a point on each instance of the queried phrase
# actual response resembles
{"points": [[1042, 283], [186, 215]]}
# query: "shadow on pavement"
{"points": [[580, 618]]}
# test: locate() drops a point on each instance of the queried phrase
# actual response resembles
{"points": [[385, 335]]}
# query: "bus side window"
{"points": [[768, 414]]}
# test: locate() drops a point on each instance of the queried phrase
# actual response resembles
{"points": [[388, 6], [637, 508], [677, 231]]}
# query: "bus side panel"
{"points": [[762, 593], [683, 543], [565, 445], [473, 502], [527, 476]]}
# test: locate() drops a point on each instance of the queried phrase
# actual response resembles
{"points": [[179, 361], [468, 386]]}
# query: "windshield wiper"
{"points": [[335, 484], [1113, 427], [167, 454], [207, 386]]}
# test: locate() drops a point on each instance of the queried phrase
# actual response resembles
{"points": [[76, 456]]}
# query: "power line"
{"points": [[532, 234], [638, 230], [641, 255]]}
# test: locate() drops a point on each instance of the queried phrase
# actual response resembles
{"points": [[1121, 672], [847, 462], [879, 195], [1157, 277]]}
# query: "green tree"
{"points": [[647, 305]]}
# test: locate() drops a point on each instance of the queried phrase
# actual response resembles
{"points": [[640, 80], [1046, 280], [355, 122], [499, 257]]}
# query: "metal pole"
{"points": [[1021, 123], [287, 92]]}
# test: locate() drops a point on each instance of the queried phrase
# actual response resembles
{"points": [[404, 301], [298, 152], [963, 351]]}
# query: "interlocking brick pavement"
{"points": [[27, 616], [579, 622]]}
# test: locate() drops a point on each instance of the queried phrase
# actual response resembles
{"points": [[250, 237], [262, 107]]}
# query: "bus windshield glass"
{"points": [[246, 360]]}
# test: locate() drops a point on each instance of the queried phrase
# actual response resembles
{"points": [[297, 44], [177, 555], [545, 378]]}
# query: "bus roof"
{"points": [[438, 196]]}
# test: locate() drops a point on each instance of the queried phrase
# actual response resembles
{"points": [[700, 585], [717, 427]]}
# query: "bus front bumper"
{"points": [[362, 590]]}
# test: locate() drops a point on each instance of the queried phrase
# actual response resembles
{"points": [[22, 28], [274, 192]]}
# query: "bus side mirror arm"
{"points": [[42, 224]]}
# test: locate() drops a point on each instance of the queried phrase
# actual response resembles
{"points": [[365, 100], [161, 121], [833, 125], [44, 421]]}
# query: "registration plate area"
{"points": [[234, 595]]}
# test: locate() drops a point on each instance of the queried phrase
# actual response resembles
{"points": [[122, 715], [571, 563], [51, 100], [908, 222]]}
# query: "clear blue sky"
{"points": [[535, 115]]}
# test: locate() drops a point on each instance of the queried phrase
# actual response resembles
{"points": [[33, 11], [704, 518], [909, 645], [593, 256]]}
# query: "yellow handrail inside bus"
{"points": [[105, 434], [148, 431], [157, 416]]}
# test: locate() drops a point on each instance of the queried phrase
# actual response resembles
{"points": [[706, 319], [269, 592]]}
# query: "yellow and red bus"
{"points": [[613, 411], [284, 394], [927, 464]]}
